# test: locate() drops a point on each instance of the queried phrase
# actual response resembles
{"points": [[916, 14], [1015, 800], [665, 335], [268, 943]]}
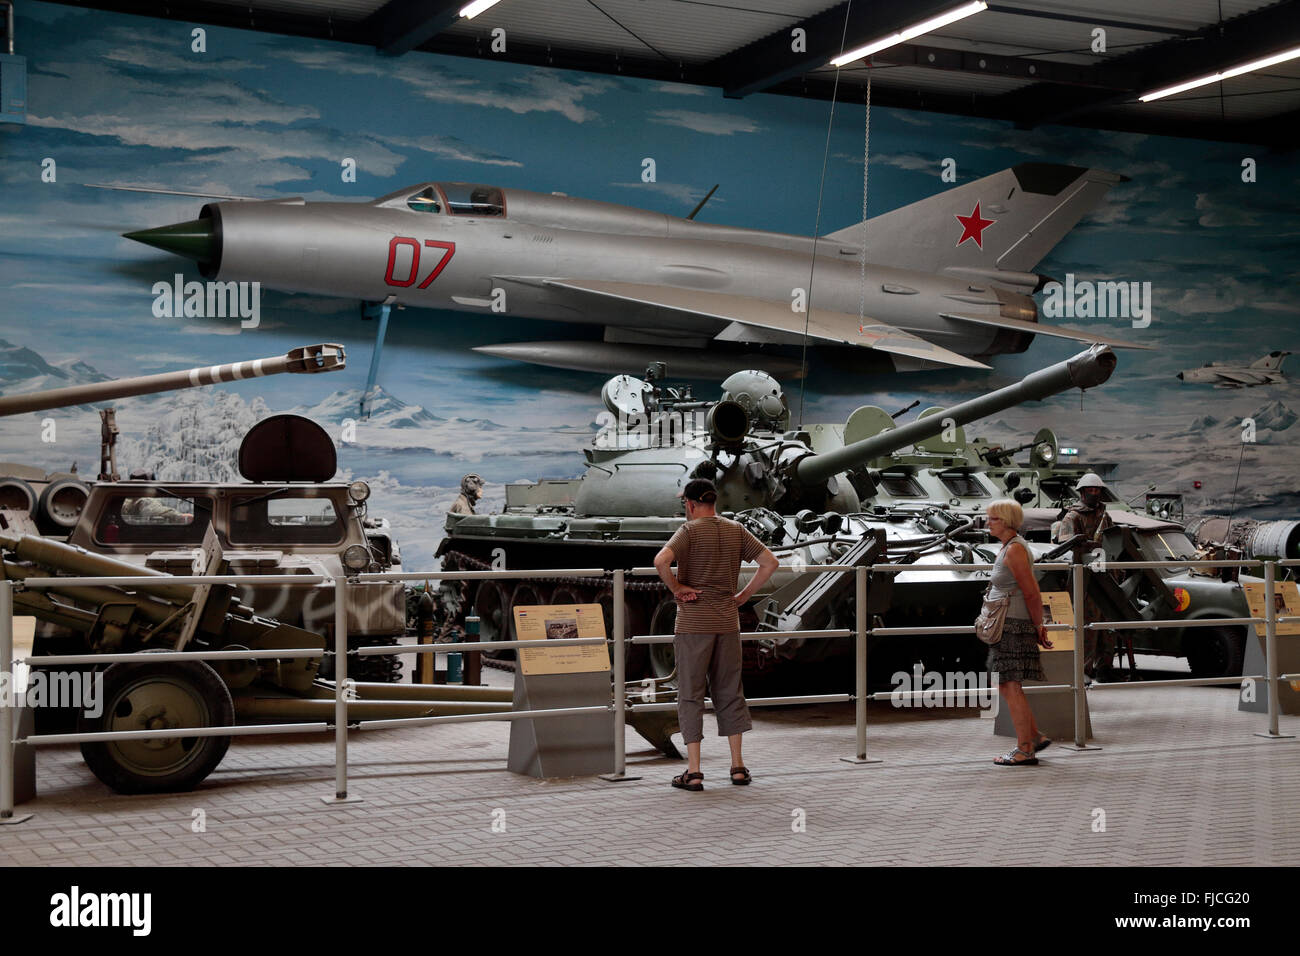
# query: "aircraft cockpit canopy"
{"points": [[459, 199]]}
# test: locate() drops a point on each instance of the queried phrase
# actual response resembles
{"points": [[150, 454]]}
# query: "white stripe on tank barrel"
{"points": [[194, 376], [215, 374], [257, 368], [238, 371]]}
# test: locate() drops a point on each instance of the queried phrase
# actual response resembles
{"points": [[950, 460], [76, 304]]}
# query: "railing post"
{"points": [[340, 695], [1080, 631], [1271, 668], [860, 667], [620, 681], [8, 706]]}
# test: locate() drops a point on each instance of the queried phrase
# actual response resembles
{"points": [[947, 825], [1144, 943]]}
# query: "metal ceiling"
{"points": [[1028, 61]]}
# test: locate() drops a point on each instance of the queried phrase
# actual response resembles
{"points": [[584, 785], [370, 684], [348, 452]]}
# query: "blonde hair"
{"points": [[1009, 511]]}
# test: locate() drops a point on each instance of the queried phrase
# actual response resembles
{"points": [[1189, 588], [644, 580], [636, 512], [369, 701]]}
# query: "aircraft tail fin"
{"points": [[1272, 361], [1007, 221]]}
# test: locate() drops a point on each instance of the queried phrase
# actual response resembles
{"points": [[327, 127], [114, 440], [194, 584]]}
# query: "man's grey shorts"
{"points": [[715, 659]]}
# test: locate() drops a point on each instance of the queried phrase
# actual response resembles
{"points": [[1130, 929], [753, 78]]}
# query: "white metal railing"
{"points": [[619, 704]]}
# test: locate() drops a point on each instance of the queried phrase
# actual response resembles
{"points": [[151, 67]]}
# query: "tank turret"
{"points": [[665, 437]]}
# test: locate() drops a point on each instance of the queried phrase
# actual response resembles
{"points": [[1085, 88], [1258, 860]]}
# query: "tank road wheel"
{"points": [[663, 661], [637, 663], [570, 594], [1215, 651], [526, 594], [164, 695], [491, 604]]}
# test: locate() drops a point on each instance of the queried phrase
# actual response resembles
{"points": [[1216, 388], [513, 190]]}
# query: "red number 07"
{"points": [[448, 250]]}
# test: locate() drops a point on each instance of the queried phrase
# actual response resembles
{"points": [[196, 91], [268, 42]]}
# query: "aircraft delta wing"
{"points": [[949, 279]]}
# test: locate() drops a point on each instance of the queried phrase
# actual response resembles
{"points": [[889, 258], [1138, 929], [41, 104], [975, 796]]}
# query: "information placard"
{"points": [[541, 622], [1058, 609], [1286, 602]]}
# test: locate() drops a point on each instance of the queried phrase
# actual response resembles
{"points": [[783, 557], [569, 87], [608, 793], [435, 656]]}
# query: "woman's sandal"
{"points": [[689, 781], [744, 780], [1010, 759], [1042, 744]]}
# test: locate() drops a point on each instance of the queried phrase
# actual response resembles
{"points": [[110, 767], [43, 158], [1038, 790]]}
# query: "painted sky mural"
{"points": [[118, 99]]}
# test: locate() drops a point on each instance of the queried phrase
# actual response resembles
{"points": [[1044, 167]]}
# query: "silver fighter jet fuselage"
{"points": [[948, 280]]}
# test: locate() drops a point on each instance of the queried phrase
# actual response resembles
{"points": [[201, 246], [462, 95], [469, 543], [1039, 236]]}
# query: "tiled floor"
{"points": [[1181, 780]]}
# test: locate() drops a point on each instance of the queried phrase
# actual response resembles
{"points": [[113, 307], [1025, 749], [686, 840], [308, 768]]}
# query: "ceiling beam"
{"points": [[400, 26], [1009, 67], [776, 57], [1216, 47]]}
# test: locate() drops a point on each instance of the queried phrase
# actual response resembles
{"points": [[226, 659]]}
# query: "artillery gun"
{"points": [[54, 501], [816, 495]]}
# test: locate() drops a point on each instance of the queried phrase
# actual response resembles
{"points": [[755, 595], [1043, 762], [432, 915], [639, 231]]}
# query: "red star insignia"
{"points": [[973, 227]]}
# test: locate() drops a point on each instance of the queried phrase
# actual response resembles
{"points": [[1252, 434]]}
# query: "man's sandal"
{"points": [[689, 781], [1010, 759], [744, 780]]}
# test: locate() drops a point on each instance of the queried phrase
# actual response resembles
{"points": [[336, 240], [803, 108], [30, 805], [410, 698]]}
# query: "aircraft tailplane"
{"points": [[1031, 207], [1272, 361]]}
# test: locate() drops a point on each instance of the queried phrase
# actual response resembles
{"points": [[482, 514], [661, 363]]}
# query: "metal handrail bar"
{"points": [[370, 576], [372, 650], [746, 636], [147, 581]]}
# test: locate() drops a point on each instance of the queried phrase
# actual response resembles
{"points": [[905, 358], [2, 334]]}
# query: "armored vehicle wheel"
{"points": [[568, 594], [663, 660], [163, 695], [491, 604], [525, 594], [1215, 651]]}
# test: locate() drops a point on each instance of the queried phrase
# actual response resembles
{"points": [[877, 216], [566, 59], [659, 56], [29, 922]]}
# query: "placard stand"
{"points": [[560, 677]]}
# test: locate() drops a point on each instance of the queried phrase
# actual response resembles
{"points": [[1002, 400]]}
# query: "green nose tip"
{"points": [[193, 240]]}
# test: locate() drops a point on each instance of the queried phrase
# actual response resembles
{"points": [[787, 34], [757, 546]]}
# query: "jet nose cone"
{"points": [[193, 240]]}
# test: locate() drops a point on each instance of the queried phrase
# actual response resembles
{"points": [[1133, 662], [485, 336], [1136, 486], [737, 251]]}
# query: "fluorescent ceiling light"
{"points": [[471, 10], [1226, 74], [925, 26]]}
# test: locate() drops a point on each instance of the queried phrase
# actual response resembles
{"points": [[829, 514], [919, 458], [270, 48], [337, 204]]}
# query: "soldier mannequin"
{"points": [[471, 489], [1089, 519]]}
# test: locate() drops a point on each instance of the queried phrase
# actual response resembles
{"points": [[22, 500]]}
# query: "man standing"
{"points": [[1089, 518], [471, 489], [708, 551]]}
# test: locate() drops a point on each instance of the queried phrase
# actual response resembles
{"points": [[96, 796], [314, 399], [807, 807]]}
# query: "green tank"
{"points": [[869, 491]]}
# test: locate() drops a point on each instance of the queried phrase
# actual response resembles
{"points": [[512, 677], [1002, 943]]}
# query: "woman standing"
{"points": [[1015, 658]]}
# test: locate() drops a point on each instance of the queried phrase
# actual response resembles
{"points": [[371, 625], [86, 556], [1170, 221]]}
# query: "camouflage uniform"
{"points": [[1098, 646]]}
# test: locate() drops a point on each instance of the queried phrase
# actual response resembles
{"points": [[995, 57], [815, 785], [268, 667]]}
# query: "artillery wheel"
{"points": [[1215, 651], [162, 695], [637, 663], [492, 604], [663, 660]]}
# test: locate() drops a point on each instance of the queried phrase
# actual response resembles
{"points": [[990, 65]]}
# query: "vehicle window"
{"points": [[964, 486], [152, 517], [1167, 545], [284, 519], [426, 200], [901, 486], [467, 199]]}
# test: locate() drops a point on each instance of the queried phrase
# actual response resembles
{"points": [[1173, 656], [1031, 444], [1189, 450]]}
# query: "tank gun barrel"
{"points": [[327, 357], [1085, 370]]}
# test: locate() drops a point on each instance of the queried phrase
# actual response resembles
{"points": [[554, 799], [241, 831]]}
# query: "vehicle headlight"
{"points": [[358, 491], [356, 558], [1045, 451]]}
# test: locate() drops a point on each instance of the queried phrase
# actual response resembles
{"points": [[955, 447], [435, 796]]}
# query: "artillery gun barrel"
{"points": [[312, 358], [66, 557], [1084, 370]]}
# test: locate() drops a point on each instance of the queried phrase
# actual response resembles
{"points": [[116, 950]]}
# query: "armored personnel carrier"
{"points": [[816, 495]]}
